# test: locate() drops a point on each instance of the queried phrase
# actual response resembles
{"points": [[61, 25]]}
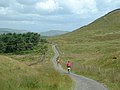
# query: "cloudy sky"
{"points": [[45, 15]]}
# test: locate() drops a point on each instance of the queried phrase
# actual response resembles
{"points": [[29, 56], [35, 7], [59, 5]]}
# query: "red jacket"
{"points": [[69, 64]]}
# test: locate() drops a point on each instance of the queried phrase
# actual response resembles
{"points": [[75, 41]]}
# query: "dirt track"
{"points": [[81, 83]]}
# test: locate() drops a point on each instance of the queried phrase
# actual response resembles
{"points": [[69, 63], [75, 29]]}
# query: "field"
{"points": [[98, 64], [15, 74]]}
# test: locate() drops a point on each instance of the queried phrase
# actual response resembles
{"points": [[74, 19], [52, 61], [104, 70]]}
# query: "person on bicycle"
{"points": [[69, 64], [58, 60]]}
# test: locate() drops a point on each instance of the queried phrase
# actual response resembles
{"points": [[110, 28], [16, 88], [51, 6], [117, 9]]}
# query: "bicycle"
{"points": [[69, 69]]}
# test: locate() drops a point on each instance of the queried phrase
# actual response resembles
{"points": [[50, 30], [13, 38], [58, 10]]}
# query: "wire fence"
{"points": [[111, 74], [77, 66]]}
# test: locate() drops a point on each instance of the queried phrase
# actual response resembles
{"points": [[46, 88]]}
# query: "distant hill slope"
{"points": [[104, 28], [53, 33], [8, 30]]}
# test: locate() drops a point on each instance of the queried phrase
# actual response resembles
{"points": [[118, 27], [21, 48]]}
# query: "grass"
{"points": [[16, 75], [87, 58], [94, 50]]}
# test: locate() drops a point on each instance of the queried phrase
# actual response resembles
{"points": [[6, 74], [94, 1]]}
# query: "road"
{"points": [[81, 83]]}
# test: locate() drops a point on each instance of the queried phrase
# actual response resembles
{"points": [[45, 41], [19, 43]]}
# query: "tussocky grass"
{"points": [[97, 64], [15, 74]]}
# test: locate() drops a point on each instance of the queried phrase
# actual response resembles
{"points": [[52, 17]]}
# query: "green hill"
{"points": [[103, 29], [96, 46], [15, 74], [53, 33], [8, 30]]}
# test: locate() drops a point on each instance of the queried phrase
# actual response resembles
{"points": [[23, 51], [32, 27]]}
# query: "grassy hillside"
{"points": [[8, 30], [95, 49], [15, 74], [103, 29], [53, 33]]}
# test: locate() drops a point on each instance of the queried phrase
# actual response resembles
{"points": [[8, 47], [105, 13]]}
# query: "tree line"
{"points": [[13, 42]]}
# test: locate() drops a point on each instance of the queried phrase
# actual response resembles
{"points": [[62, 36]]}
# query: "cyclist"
{"points": [[69, 64], [58, 60]]}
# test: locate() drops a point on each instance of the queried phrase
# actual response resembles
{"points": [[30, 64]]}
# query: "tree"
{"points": [[2, 47], [12, 42]]}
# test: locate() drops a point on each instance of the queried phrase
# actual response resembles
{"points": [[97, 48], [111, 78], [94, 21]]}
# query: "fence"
{"points": [[111, 75]]}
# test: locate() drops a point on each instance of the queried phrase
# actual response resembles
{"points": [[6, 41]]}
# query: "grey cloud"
{"points": [[27, 2], [4, 3], [24, 9], [21, 8], [28, 7], [62, 18], [18, 18]]}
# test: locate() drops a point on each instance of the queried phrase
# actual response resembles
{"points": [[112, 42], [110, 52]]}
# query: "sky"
{"points": [[45, 15]]}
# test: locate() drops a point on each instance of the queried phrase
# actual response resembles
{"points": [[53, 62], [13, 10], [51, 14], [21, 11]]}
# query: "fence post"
{"points": [[99, 69], [113, 70]]}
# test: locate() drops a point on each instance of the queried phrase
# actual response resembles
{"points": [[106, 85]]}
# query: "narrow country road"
{"points": [[81, 83]]}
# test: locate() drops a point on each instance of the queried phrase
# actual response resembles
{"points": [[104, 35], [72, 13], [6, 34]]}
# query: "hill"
{"points": [[15, 74], [8, 30], [102, 29], [53, 33], [96, 47]]}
